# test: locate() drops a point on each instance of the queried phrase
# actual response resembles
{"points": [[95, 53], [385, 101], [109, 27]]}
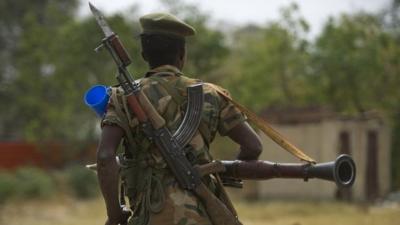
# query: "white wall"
{"points": [[321, 141]]}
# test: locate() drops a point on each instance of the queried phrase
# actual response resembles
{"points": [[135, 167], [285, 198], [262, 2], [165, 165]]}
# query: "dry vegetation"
{"points": [[317, 213], [67, 211]]}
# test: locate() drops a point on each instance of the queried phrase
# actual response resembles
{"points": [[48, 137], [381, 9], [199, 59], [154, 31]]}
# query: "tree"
{"points": [[268, 64], [391, 22], [54, 65], [20, 20], [349, 58]]}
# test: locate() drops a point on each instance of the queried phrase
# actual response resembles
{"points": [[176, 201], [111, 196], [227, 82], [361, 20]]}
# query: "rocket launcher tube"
{"points": [[342, 171]]}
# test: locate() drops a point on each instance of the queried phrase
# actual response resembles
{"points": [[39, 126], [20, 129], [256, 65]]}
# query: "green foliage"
{"points": [[271, 61], [27, 29], [355, 62], [34, 183], [8, 186], [82, 182], [53, 67]]}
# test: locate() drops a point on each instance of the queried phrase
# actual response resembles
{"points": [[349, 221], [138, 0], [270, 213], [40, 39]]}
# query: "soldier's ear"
{"points": [[182, 55]]}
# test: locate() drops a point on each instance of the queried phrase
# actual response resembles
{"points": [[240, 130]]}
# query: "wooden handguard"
{"points": [[120, 50], [156, 120], [136, 108], [144, 110]]}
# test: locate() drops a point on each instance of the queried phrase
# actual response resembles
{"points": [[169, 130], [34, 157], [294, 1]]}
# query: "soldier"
{"points": [[153, 193]]}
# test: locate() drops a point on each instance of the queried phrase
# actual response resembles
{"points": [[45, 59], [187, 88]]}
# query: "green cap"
{"points": [[164, 23]]}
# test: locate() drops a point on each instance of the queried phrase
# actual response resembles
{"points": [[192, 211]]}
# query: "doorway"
{"points": [[344, 194], [371, 185]]}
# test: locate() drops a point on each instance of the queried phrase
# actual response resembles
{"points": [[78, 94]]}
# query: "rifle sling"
{"points": [[266, 128]]}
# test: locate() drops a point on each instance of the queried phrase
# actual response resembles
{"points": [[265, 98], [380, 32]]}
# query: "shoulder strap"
{"points": [[265, 127]]}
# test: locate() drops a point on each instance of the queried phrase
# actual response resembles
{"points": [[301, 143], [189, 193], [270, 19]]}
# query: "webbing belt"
{"points": [[265, 127]]}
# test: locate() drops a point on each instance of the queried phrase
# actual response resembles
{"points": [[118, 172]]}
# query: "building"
{"points": [[323, 135], [16, 154]]}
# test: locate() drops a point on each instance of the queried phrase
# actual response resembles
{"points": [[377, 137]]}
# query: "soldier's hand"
{"points": [[121, 219]]}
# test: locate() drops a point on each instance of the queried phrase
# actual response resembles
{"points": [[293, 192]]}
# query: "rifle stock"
{"points": [[216, 209]]}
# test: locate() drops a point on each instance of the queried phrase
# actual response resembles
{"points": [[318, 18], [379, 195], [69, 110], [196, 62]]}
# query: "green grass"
{"points": [[67, 211]]}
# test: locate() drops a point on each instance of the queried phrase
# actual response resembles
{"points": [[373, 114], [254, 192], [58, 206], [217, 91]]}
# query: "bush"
{"points": [[82, 182], [8, 186], [34, 183]]}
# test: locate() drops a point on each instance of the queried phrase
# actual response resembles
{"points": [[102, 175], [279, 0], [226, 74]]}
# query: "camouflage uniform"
{"points": [[153, 192]]}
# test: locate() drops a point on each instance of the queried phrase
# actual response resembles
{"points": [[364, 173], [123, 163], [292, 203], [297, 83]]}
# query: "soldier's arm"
{"points": [[247, 138], [233, 124], [107, 171]]}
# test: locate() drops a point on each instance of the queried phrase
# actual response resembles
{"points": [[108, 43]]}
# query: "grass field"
{"points": [[66, 211]]}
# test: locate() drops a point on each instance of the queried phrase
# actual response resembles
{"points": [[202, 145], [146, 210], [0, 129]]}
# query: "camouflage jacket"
{"points": [[154, 195]]}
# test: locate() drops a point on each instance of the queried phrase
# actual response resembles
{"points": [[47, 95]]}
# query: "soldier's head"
{"points": [[163, 39]]}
